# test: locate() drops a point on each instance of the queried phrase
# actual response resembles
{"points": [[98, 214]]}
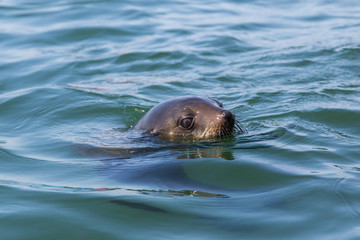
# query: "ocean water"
{"points": [[76, 75]]}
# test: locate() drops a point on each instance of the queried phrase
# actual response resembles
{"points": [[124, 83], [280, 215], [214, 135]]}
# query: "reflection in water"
{"points": [[136, 145], [159, 164], [214, 152], [181, 193], [140, 206], [119, 190]]}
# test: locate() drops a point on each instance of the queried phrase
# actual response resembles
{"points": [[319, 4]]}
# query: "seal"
{"points": [[189, 116]]}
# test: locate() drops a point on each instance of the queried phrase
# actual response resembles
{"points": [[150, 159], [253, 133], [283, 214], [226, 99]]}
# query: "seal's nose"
{"points": [[227, 114]]}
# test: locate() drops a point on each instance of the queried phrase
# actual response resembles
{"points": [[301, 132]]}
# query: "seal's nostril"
{"points": [[227, 114]]}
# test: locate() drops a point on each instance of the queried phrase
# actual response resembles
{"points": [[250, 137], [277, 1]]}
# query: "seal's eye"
{"points": [[187, 122]]}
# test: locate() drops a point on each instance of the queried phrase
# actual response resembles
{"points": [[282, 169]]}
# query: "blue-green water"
{"points": [[82, 72]]}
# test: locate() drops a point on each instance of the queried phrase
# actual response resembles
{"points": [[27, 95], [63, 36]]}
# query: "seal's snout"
{"points": [[227, 115]]}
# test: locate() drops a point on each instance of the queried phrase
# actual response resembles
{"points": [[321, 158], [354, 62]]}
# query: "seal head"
{"points": [[189, 116]]}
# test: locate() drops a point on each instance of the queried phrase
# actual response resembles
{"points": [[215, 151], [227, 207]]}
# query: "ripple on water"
{"points": [[76, 76]]}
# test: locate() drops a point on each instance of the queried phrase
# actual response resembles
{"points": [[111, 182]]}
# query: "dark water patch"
{"points": [[167, 55], [226, 45], [302, 63], [342, 91], [130, 57], [337, 118], [54, 188], [141, 206], [256, 26], [302, 54], [316, 18], [83, 33], [350, 53], [347, 26], [181, 193], [178, 32]]}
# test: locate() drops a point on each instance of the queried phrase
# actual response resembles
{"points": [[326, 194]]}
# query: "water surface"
{"points": [[75, 76]]}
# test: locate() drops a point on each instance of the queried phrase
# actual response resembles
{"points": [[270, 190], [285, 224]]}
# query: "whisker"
{"points": [[223, 129], [239, 127]]}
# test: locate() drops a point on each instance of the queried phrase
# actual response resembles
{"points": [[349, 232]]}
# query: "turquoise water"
{"points": [[75, 76]]}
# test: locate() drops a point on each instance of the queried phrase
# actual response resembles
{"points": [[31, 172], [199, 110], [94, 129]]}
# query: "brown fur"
{"points": [[210, 119]]}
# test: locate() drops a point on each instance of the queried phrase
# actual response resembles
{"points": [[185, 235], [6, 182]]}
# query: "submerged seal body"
{"points": [[189, 116]]}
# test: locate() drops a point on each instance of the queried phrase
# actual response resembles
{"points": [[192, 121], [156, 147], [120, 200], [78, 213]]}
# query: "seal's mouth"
{"points": [[223, 128]]}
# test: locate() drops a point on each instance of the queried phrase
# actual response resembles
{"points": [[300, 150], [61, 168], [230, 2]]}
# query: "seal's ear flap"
{"points": [[217, 101]]}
